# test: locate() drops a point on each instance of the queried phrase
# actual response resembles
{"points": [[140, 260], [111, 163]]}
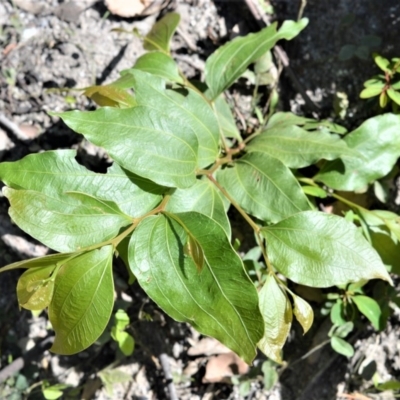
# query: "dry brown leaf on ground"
{"points": [[208, 347], [222, 367], [131, 8]]}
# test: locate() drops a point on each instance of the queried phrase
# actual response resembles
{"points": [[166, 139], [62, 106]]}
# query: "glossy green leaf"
{"points": [[186, 106], [394, 95], [264, 187], [378, 141], [35, 288], [229, 61], [382, 63], [277, 313], [161, 33], [136, 139], [322, 250], [303, 312], [372, 90], [227, 124], [298, 148], [342, 347], [67, 222], [83, 301], [125, 341], [203, 198], [159, 64], [57, 172], [370, 308], [212, 299], [110, 96]]}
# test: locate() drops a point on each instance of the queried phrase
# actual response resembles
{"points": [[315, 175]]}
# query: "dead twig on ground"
{"points": [[281, 54]]}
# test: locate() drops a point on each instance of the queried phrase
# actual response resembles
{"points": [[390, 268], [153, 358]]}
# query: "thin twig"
{"points": [[281, 54], [13, 128], [168, 376]]}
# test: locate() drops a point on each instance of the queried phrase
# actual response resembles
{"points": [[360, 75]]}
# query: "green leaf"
{"points": [[203, 198], [125, 341], [347, 52], [378, 141], [342, 347], [264, 187], [270, 375], [303, 312], [226, 120], [387, 249], [394, 95], [389, 385], [281, 120], [54, 392], [35, 288], [161, 33], [136, 139], [229, 61], [110, 96], [337, 315], [212, 300], [83, 301], [370, 308], [110, 377], [382, 63], [298, 148], [343, 330], [160, 65], [67, 222], [383, 99], [315, 191], [187, 106], [372, 90], [322, 250], [57, 172], [277, 313]]}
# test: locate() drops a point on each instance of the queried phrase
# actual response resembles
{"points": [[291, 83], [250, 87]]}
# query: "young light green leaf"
{"points": [[110, 96], [135, 138], [187, 106], [342, 347], [211, 299], [194, 250], [229, 62], [277, 313], [35, 289], [54, 392], [203, 198], [161, 33], [159, 64], [298, 148], [322, 250], [389, 385], [370, 308], [378, 141], [65, 223], [315, 191], [227, 124], [337, 315], [271, 376], [383, 99], [83, 300], [394, 95], [372, 90], [125, 341], [57, 172], [382, 63], [264, 187], [343, 330], [303, 312]]}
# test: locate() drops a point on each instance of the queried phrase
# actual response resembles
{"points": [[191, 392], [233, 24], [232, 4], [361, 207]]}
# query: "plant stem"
{"points": [[348, 202]]}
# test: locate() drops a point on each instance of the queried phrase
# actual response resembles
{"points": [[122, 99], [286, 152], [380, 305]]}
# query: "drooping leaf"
{"points": [[229, 61], [322, 250], [65, 223], [264, 187], [35, 289], [394, 95], [337, 314], [212, 300], [83, 300], [277, 313], [203, 198], [110, 96], [159, 64], [161, 33], [378, 141], [186, 106], [125, 341], [226, 120], [303, 312], [136, 139], [57, 172], [298, 148], [370, 308], [342, 347], [343, 330]]}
